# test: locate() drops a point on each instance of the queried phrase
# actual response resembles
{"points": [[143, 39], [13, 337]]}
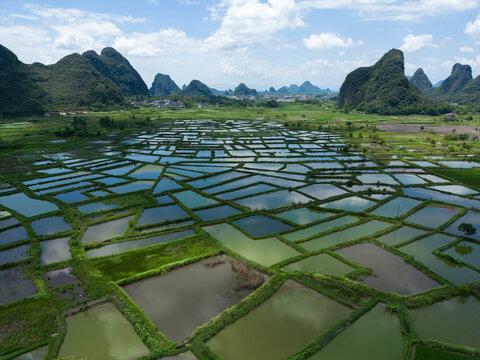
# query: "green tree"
{"points": [[467, 229]]}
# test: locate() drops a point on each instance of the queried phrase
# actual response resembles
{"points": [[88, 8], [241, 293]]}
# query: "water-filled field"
{"points": [[211, 239]]}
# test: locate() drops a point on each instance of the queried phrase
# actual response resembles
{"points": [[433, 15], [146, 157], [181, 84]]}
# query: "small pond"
{"points": [[27, 206], [250, 190], [396, 207], [322, 264], [386, 268], [313, 230], [273, 200], [218, 212], [193, 200], [266, 251], [161, 214], [13, 286], [353, 203], [50, 225], [178, 310], [349, 234], [54, 251], [261, 225], [14, 234], [401, 235], [101, 333], [303, 216], [106, 230], [421, 250], [375, 336], [18, 253], [432, 216], [279, 327], [455, 321]]}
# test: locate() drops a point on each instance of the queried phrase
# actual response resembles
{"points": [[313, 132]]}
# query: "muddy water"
{"points": [[181, 300]]}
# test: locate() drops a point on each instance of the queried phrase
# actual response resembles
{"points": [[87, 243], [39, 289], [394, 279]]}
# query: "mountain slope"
{"points": [[196, 88], [382, 87], [19, 94], [244, 90], [117, 68], [71, 83], [163, 85], [421, 81], [469, 94], [460, 76]]}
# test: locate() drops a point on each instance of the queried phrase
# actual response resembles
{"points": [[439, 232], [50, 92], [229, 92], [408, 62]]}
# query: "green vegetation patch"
{"points": [[469, 177], [130, 263], [27, 323], [426, 353]]}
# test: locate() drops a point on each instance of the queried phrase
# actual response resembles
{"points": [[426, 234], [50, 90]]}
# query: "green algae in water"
{"points": [[375, 336], [101, 333], [265, 252], [279, 327], [322, 264]]}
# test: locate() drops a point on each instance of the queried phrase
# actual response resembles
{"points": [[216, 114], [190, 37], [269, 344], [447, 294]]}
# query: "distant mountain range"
{"points": [[460, 87], [93, 81], [307, 88]]}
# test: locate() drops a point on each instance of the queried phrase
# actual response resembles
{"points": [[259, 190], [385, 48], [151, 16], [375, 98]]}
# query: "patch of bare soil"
{"points": [[439, 129]]}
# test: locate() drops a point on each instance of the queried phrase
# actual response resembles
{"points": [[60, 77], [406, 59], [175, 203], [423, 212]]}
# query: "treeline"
{"points": [[407, 109]]}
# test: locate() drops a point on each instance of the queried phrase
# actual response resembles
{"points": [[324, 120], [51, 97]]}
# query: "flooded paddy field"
{"points": [[207, 239]]}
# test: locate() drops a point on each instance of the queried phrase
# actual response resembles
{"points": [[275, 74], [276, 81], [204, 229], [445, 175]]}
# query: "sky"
{"points": [[262, 43]]}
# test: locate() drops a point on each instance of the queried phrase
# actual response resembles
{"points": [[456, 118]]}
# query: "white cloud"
{"points": [[164, 41], [473, 29], [245, 22], [90, 35], [467, 49], [393, 9], [414, 43], [475, 62], [325, 71], [327, 41]]}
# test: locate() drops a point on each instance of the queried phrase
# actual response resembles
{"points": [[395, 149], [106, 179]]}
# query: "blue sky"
{"points": [[259, 42]]}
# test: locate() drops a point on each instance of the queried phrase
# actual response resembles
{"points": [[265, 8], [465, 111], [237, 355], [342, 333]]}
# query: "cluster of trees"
{"points": [[431, 109], [192, 101]]}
